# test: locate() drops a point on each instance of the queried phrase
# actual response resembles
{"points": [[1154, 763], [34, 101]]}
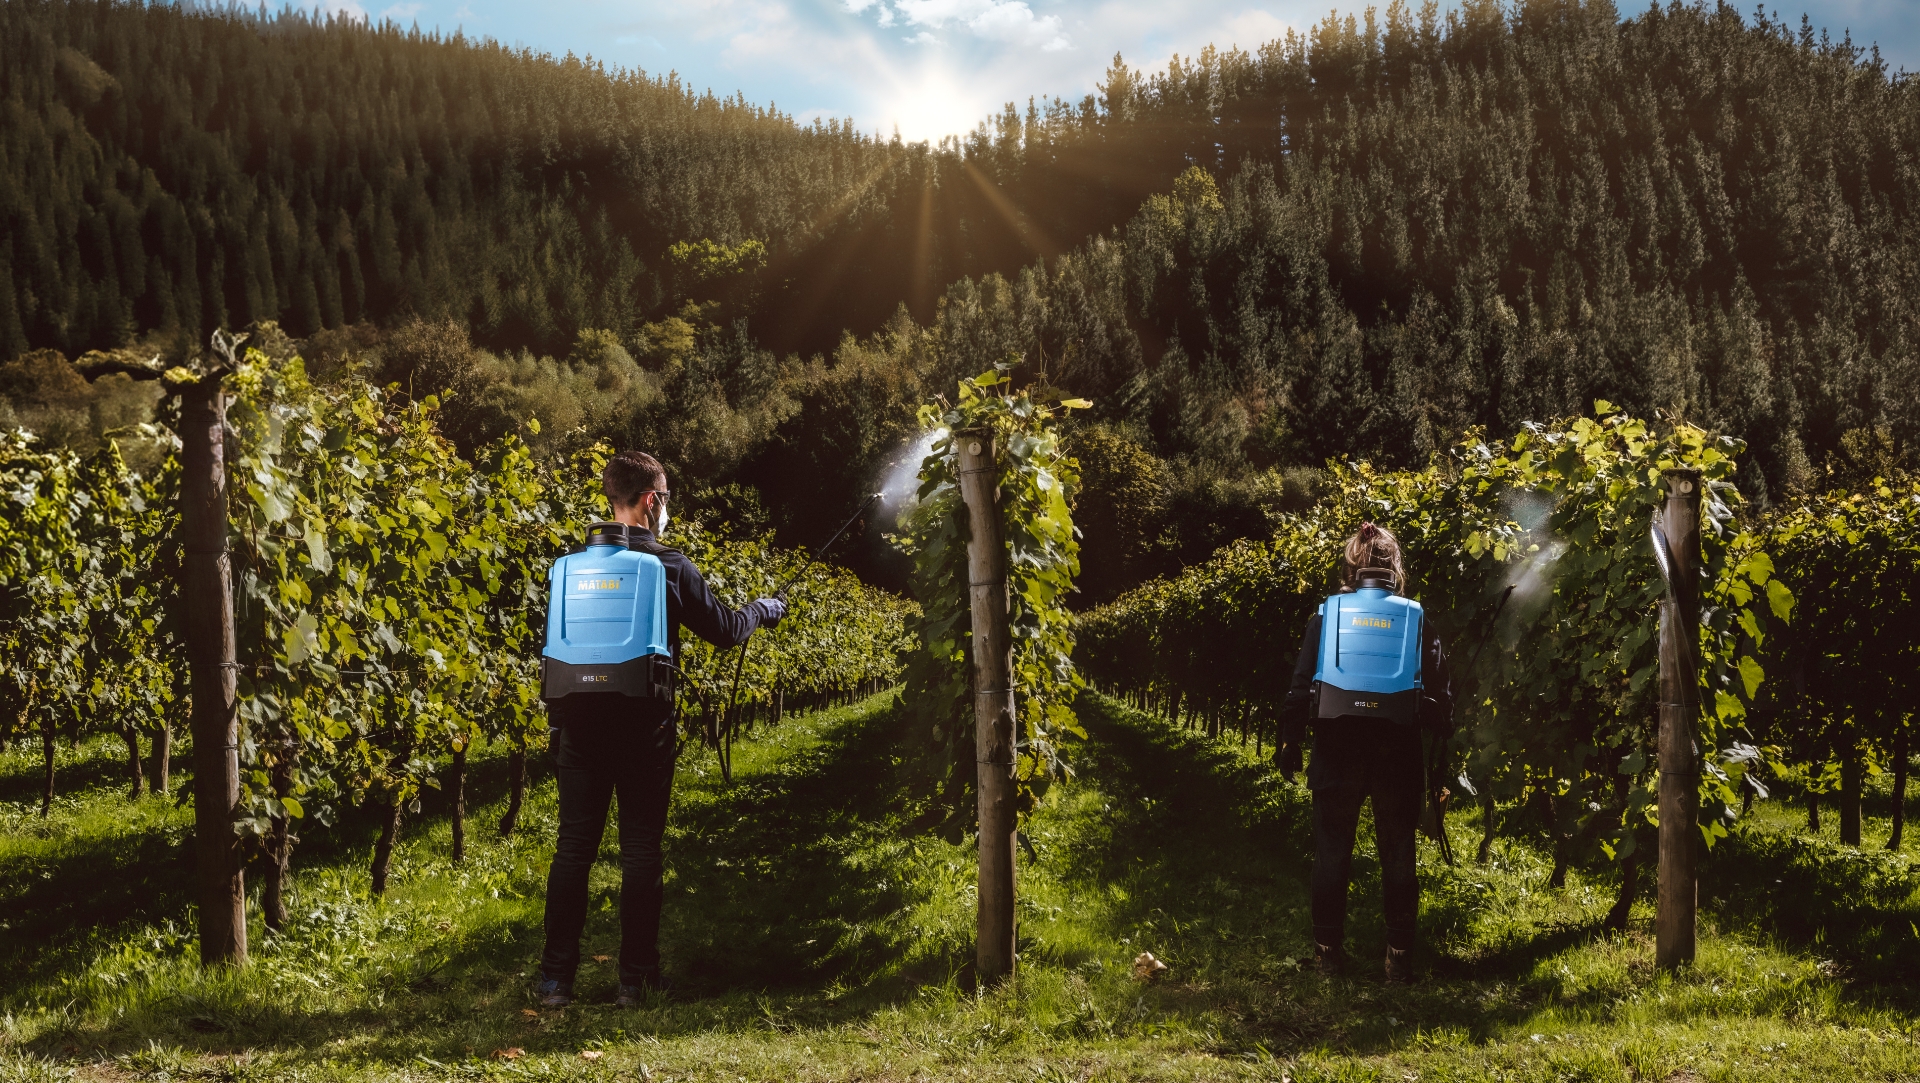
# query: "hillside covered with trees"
{"points": [[1361, 240]]}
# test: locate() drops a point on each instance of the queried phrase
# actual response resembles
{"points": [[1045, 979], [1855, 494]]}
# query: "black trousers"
{"points": [[1353, 760], [597, 754]]}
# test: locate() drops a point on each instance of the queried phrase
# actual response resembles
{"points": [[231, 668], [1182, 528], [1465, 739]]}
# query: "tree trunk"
{"points": [[136, 773], [457, 783], [1562, 842], [1629, 887], [1900, 765], [1851, 770], [993, 719], [207, 595], [1813, 812], [46, 757], [279, 844], [273, 902], [17, 721], [516, 784], [162, 758], [1488, 813], [383, 849], [1629, 864]]}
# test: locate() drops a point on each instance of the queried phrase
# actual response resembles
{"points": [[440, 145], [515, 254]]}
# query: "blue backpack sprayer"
{"points": [[607, 621], [1369, 656]]}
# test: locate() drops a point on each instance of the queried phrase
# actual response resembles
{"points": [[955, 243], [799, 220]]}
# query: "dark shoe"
{"points": [[1399, 966], [633, 996], [1328, 959], [553, 993]]}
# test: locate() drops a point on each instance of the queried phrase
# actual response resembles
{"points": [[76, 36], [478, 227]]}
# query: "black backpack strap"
{"points": [[648, 545]]}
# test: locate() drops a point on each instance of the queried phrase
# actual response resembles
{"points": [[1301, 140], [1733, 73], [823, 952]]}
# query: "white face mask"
{"points": [[660, 526]]}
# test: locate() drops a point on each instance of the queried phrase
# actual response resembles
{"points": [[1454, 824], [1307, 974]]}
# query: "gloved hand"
{"points": [[772, 611], [1289, 761]]}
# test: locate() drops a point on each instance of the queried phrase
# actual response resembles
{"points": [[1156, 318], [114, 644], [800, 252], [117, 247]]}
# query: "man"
{"points": [[606, 743], [1367, 743]]}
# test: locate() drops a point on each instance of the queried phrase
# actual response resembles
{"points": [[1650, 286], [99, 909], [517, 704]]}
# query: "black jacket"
{"points": [[1436, 686], [691, 605]]}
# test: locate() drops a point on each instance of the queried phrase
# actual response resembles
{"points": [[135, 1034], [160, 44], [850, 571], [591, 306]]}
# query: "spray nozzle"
{"points": [[1662, 553]]}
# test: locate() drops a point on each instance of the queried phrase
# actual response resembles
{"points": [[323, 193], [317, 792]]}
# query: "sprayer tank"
{"points": [[1369, 663], [606, 623]]}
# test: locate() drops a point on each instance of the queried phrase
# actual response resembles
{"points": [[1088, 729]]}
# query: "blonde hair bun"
{"points": [[1373, 549]]}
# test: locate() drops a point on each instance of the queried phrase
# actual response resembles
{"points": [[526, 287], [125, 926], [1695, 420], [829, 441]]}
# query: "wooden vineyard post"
{"points": [[992, 704], [1679, 708], [208, 595]]}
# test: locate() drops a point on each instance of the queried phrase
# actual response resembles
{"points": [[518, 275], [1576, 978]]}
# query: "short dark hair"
{"points": [[631, 475]]}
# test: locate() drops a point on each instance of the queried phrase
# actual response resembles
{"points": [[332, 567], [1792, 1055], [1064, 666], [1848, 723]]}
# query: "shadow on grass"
{"points": [[83, 893], [100, 764], [1217, 844], [791, 876], [1858, 907], [1208, 852]]}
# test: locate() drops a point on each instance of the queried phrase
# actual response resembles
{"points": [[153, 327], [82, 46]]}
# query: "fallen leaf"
{"points": [[601, 958], [1147, 968], [445, 926], [589, 1054], [514, 1053]]}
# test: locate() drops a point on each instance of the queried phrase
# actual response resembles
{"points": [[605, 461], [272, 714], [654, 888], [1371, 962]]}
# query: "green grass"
{"points": [[816, 932]]}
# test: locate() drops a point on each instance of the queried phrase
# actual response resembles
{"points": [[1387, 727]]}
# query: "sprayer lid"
{"points": [[607, 534]]}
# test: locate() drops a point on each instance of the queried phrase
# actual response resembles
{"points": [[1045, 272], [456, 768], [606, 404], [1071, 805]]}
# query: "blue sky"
{"points": [[936, 67]]}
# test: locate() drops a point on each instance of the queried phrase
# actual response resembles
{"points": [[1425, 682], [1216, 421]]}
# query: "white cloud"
{"points": [[1009, 21], [342, 7]]}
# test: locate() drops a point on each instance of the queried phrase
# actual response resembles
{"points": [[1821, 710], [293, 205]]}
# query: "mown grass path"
{"points": [[818, 930]]}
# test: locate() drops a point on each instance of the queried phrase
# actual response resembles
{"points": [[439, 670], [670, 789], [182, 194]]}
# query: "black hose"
{"points": [[723, 745]]}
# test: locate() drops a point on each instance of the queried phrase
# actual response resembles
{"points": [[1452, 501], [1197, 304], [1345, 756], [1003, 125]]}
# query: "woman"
{"points": [[1370, 681]]}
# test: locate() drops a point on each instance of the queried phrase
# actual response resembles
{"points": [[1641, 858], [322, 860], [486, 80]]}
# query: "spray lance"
{"points": [[1492, 623], [724, 744]]}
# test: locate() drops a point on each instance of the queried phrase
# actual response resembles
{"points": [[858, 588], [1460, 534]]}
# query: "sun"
{"points": [[925, 103]]}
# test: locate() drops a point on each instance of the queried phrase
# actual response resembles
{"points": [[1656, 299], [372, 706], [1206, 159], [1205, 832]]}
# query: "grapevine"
{"points": [[1036, 483]]}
